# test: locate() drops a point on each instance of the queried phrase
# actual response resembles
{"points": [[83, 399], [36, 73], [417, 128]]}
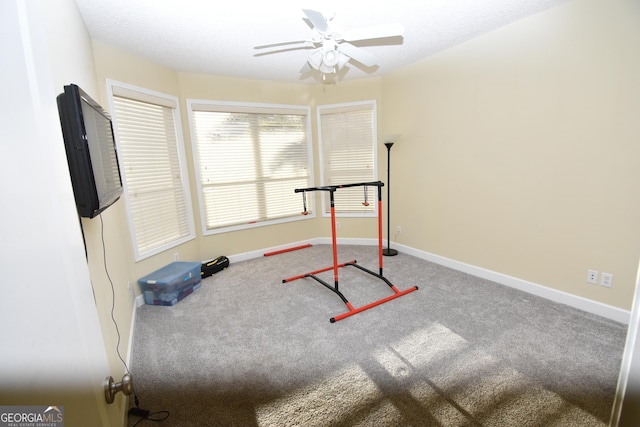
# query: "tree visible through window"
{"points": [[249, 160]]}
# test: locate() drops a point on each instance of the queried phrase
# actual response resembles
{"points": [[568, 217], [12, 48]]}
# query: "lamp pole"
{"points": [[388, 251]]}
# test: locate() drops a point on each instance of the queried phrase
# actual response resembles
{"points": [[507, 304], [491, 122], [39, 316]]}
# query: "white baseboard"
{"points": [[584, 304], [316, 241], [260, 252], [132, 328], [139, 302]]}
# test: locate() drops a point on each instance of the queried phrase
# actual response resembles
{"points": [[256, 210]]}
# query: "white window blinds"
{"points": [[154, 171], [249, 160], [348, 155]]}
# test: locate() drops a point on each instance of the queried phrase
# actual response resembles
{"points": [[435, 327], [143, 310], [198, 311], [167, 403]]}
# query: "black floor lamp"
{"points": [[389, 140]]}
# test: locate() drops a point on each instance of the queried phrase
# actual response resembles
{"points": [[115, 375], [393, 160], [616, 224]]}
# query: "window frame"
{"points": [[350, 106], [117, 88], [248, 107]]}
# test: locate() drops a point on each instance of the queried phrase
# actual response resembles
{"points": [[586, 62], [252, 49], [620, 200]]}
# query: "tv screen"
{"points": [[91, 151]]}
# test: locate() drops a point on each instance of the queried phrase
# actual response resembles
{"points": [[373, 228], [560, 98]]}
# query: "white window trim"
{"points": [[172, 102], [325, 200], [233, 106]]}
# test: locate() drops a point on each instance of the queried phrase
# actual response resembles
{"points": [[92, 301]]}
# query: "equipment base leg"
{"points": [[353, 311]]}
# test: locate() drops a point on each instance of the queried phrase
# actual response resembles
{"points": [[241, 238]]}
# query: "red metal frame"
{"points": [[335, 288], [295, 248]]}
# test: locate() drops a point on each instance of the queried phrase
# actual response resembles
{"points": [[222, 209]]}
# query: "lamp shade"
{"points": [[315, 59]]}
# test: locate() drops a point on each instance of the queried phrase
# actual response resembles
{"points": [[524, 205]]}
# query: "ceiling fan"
{"points": [[332, 47]]}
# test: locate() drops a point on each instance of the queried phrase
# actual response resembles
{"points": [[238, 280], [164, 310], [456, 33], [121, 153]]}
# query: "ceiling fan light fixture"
{"points": [[342, 61], [331, 46], [326, 69], [330, 58]]}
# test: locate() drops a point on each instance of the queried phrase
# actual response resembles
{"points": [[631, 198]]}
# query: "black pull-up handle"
{"points": [[332, 188]]}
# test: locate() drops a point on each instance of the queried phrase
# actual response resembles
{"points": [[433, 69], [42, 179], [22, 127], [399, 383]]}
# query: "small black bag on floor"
{"points": [[215, 265]]}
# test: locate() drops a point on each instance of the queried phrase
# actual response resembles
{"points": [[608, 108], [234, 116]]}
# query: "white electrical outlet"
{"points": [[592, 276], [176, 256], [338, 225], [399, 230], [606, 280]]}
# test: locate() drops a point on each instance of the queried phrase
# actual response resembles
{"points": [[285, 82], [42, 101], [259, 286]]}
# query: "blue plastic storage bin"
{"points": [[171, 283]]}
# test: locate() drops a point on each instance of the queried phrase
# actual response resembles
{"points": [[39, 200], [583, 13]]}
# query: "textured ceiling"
{"points": [[212, 37]]}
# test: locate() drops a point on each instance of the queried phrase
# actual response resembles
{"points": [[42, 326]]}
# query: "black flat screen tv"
{"points": [[91, 151]]}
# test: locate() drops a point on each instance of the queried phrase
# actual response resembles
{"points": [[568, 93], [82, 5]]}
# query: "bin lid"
{"points": [[170, 272]]}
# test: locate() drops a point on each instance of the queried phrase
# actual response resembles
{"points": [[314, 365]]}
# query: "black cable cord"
{"points": [[113, 306], [113, 294], [150, 417], [113, 318]]}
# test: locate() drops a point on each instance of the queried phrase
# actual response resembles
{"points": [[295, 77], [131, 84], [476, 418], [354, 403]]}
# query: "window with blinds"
{"points": [[249, 160], [347, 143], [155, 181]]}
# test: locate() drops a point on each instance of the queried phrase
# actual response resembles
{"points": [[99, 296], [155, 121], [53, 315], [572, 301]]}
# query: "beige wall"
{"points": [[520, 149]]}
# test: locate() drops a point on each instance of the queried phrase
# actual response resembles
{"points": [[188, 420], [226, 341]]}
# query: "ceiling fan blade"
{"points": [[360, 55], [376, 32], [266, 46], [317, 19], [288, 49]]}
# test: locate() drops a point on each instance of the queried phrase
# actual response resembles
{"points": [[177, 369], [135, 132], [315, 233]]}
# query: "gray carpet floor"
{"points": [[248, 350]]}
